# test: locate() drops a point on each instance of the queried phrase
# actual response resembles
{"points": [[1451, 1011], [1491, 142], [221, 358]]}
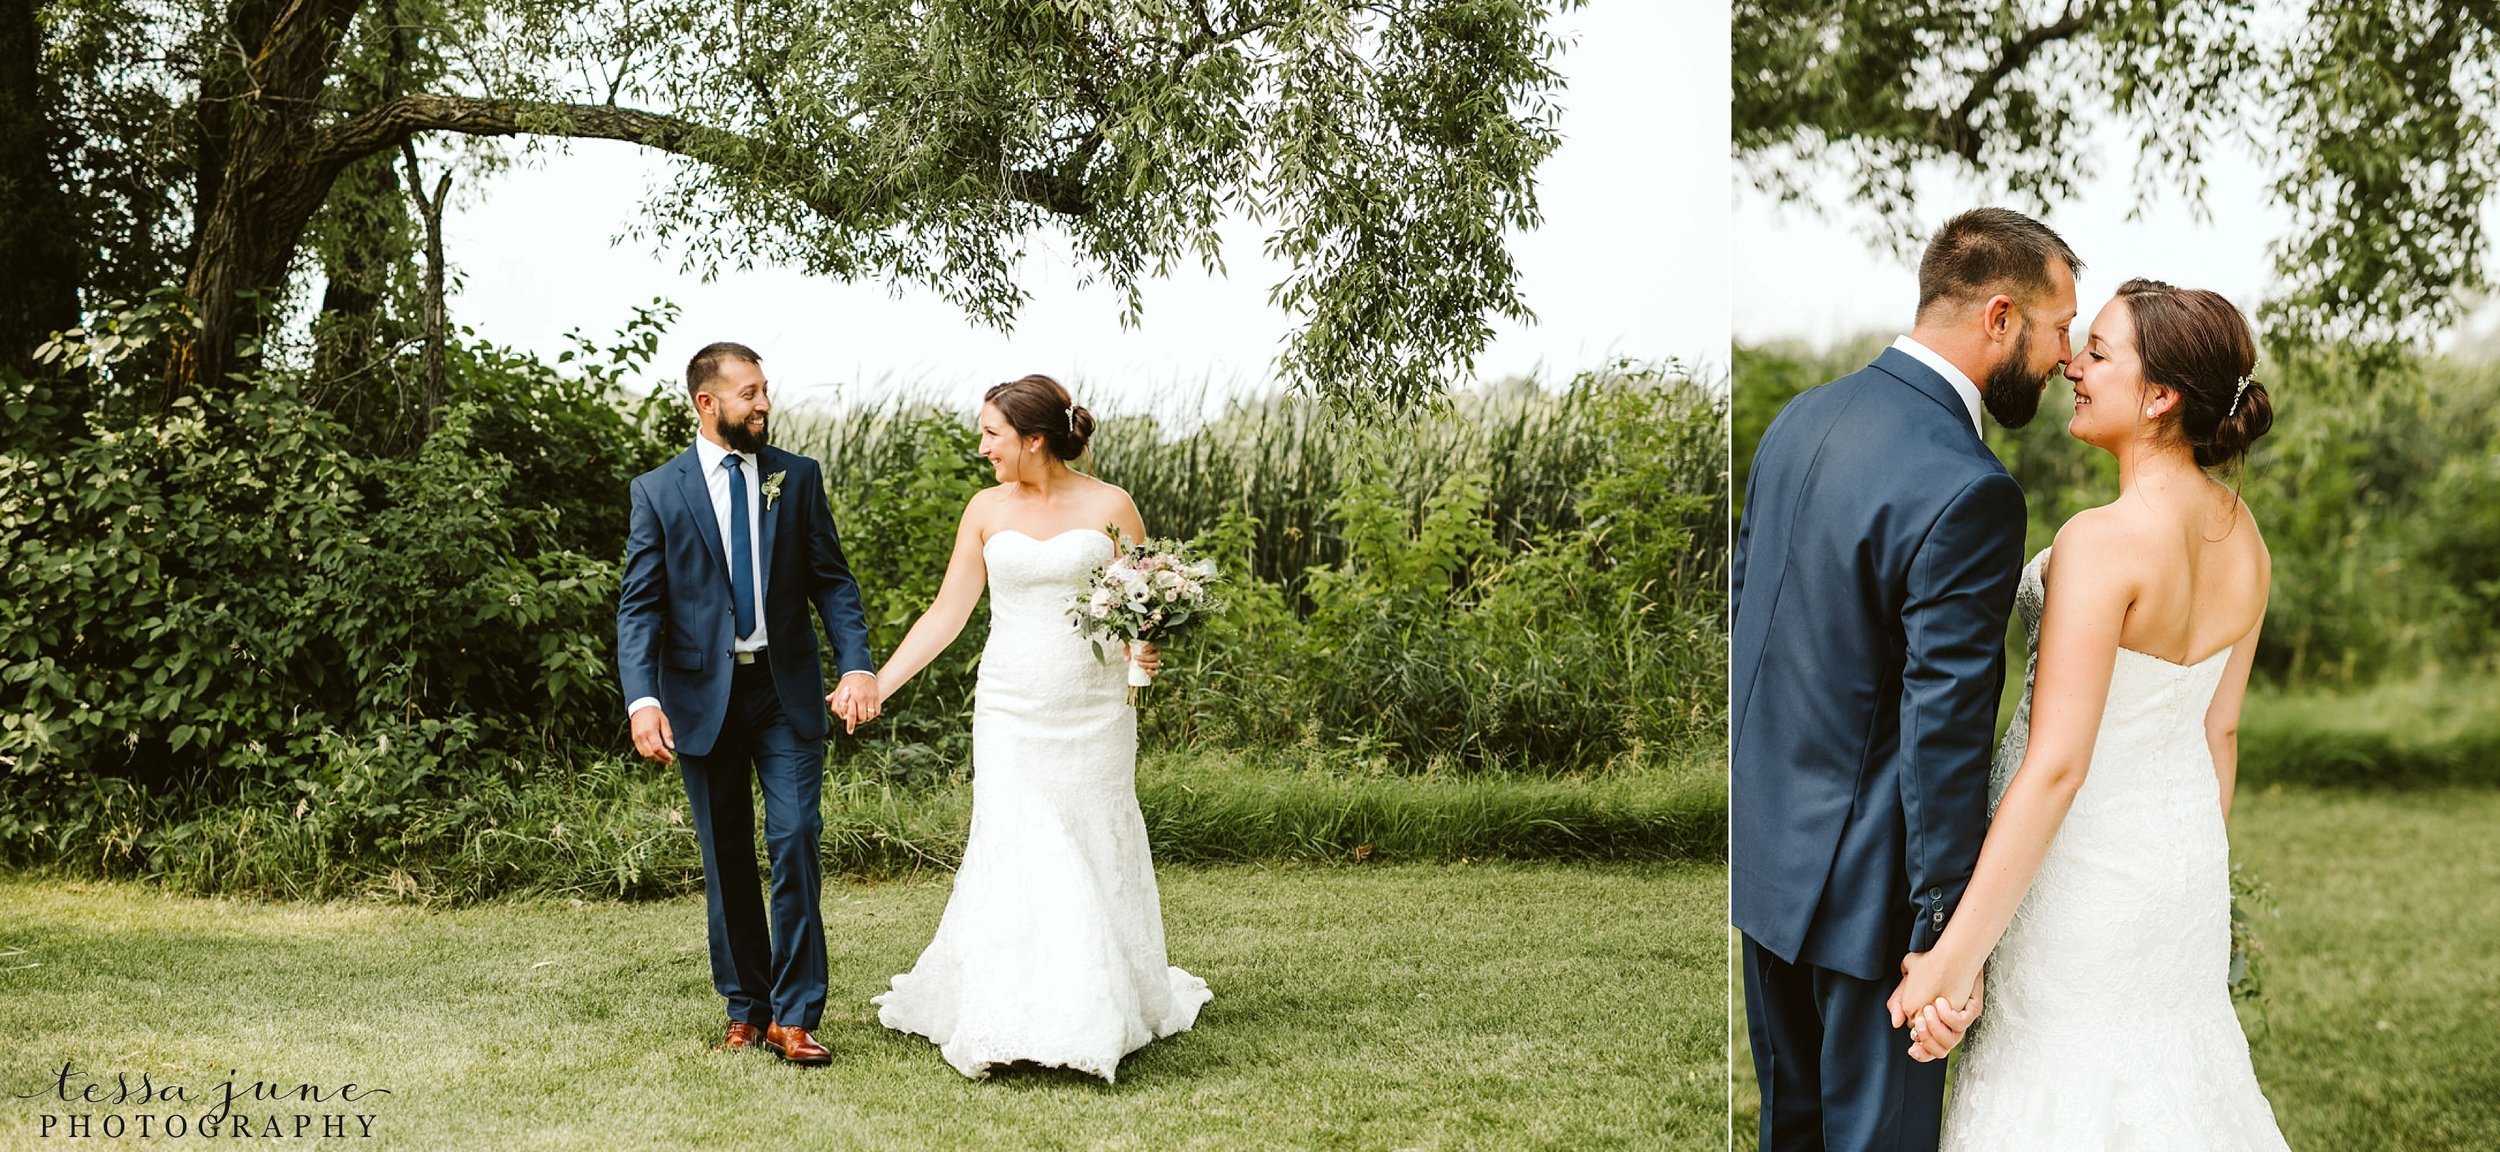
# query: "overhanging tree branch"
{"points": [[1960, 134], [386, 125]]}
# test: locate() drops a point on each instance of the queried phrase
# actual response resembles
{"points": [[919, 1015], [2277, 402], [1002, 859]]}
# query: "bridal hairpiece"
{"points": [[2237, 387], [1071, 417]]}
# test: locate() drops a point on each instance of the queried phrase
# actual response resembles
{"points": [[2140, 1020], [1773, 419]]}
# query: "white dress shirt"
{"points": [[714, 459], [716, 481], [1952, 375]]}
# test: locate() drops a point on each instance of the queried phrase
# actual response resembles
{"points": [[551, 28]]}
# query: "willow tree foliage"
{"points": [[2375, 115], [1387, 146]]}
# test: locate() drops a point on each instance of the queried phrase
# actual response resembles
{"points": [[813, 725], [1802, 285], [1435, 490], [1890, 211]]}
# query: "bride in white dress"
{"points": [[2100, 905], [1051, 947]]}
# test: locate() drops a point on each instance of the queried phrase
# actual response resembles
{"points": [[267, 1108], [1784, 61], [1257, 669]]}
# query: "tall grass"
{"points": [[617, 828], [1280, 460], [1496, 630], [2427, 732], [1520, 579]]}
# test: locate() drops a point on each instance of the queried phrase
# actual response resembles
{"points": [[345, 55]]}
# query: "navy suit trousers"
{"points": [[769, 974], [1828, 1080]]}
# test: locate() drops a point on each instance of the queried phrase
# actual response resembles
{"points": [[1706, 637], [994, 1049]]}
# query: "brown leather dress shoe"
{"points": [[795, 1045], [741, 1035]]}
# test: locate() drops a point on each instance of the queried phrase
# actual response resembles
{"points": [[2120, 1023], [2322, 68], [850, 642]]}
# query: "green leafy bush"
{"points": [[243, 651], [229, 595]]}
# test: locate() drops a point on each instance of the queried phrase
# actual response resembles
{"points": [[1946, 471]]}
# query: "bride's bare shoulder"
{"points": [[1110, 502], [2112, 541], [986, 509]]}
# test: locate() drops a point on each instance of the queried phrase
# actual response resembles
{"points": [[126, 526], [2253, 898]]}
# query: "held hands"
{"points": [[856, 700], [1924, 1001]]}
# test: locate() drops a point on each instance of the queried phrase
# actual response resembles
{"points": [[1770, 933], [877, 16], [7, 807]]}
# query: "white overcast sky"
{"points": [[1819, 279], [1816, 278], [1632, 260]]}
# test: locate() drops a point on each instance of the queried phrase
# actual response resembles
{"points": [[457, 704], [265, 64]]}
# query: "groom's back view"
{"points": [[1874, 571]]}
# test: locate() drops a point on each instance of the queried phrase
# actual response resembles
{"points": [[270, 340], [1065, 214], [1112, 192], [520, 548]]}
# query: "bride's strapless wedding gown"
{"points": [[1051, 946], [2108, 1023]]}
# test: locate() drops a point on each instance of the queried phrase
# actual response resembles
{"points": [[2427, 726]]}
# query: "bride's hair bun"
{"points": [[2197, 344], [1039, 406]]}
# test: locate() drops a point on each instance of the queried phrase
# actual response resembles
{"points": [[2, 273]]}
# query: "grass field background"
{"points": [[1492, 1006], [2374, 1031]]}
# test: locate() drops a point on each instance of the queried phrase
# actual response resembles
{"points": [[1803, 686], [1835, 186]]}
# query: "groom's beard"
{"points": [[2012, 394], [741, 439]]}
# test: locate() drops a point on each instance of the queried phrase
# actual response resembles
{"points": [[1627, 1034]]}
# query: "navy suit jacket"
{"points": [[1873, 575], [673, 618]]}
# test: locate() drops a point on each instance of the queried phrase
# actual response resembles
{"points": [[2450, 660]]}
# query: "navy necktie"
{"points": [[741, 554]]}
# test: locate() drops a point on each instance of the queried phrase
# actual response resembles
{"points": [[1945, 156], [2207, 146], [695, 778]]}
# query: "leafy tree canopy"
{"points": [[2375, 115], [1386, 145]]}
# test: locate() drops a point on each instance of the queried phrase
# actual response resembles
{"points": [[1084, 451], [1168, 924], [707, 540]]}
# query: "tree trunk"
{"points": [[38, 227], [266, 191], [280, 165], [437, 319]]}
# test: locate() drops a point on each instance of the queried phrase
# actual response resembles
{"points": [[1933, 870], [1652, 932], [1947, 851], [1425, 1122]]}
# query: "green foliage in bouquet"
{"points": [[2250, 898], [1177, 586]]}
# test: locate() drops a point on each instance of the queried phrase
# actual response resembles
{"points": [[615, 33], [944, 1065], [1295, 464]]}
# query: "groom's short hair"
{"points": [[1985, 251], [705, 367]]}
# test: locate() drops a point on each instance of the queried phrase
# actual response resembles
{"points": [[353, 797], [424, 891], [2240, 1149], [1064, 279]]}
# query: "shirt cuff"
{"points": [[856, 672], [642, 703]]}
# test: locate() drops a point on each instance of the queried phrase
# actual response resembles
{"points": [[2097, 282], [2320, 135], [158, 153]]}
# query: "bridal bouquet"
{"points": [[1148, 593]]}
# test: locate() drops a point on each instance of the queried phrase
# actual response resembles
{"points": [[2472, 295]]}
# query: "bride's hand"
{"points": [[1940, 1026], [1146, 656], [1925, 1002]]}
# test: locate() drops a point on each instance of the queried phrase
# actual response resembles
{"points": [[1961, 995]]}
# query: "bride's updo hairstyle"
{"points": [[1038, 406], [2195, 343]]}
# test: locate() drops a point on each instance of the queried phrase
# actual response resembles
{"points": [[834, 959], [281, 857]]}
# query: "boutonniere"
{"points": [[772, 487]]}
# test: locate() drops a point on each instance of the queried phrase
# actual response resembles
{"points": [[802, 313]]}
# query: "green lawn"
{"points": [[2376, 1027], [1496, 1006]]}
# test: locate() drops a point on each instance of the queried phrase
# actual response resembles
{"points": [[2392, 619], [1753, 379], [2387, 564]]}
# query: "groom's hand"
{"points": [[854, 700], [652, 736]]}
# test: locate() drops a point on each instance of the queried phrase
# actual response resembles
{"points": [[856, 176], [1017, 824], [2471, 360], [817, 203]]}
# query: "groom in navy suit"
{"points": [[728, 546], [1874, 571]]}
